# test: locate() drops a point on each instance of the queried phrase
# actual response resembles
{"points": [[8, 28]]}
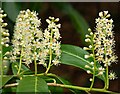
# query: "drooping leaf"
{"points": [[32, 84], [77, 19], [4, 79], [12, 9], [74, 56]]}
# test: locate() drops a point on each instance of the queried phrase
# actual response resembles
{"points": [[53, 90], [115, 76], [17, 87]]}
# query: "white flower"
{"points": [[91, 79], [112, 75], [85, 48], [88, 71], [86, 56], [86, 66], [105, 13], [101, 14], [55, 61], [87, 40]]}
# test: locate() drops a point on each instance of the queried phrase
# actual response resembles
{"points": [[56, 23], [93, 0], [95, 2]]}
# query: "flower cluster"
{"points": [[27, 37], [30, 44], [104, 39], [4, 32], [102, 42], [50, 41]]}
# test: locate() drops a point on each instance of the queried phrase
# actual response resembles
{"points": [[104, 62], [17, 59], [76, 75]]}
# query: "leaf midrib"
{"points": [[35, 85], [76, 56]]}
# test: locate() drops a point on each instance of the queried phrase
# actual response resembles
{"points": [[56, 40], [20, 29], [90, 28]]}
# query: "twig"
{"points": [[82, 88], [11, 85], [70, 87]]}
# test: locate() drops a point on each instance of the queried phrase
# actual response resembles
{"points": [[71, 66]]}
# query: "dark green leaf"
{"points": [[12, 9], [32, 84], [52, 89], [77, 19], [73, 55], [5, 49], [4, 79]]}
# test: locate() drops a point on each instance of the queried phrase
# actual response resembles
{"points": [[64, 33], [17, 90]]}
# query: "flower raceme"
{"points": [[31, 44], [27, 37], [102, 43], [4, 37], [50, 41], [4, 32]]}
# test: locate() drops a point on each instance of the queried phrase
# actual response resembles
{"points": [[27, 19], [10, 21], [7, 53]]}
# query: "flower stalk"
{"points": [[102, 48]]}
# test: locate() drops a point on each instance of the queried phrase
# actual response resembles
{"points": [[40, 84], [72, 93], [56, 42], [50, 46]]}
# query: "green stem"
{"points": [[73, 87], [93, 79], [20, 62], [81, 88], [70, 87], [50, 51], [35, 65], [50, 61], [1, 57], [107, 78], [107, 72]]}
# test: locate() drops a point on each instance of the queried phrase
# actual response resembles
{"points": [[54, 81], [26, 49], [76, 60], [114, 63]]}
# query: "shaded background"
{"points": [[75, 19]]}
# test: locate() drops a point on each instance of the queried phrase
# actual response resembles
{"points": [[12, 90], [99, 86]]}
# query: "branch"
{"points": [[70, 87], [81, 88], [11, 85]]}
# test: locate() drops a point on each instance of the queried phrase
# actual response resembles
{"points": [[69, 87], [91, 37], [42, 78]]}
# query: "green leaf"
{"points": [[4, 79], [11, 9], [52, 89], [8, 90], [15, 67], [77, 19], [73, 55], [5, 49], [32, 84]]}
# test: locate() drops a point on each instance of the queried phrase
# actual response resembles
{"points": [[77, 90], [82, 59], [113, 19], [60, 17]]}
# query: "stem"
{"points": [[81, 88], [93, 51], [20, 62], [35, 65], [1, 59], [107, 78], [93, 79], [65, 86], [107, 72], [70, 87], [50, 61], [50, 50]]}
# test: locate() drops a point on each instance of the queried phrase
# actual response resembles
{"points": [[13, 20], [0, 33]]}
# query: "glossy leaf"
{"points": [[73, 55], [12, 9], [4, 79], [32, 84], [77, 19]]}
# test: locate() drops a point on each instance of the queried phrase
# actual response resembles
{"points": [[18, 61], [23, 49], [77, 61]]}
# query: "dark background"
{"points": [[71, 34]]}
